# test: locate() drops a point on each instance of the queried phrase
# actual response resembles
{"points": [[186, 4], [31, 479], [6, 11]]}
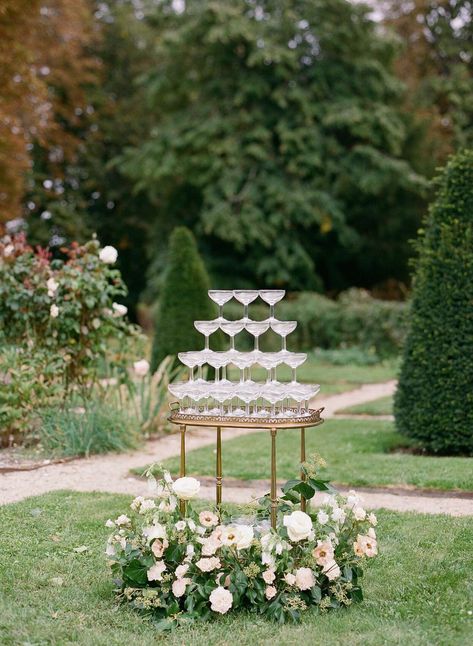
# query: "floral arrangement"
{"points": [[181, 565]]}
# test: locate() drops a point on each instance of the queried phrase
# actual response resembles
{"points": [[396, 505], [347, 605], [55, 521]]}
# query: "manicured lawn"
{"points": [[332, 378], [358, 452], [381, 406], [419, 591]]}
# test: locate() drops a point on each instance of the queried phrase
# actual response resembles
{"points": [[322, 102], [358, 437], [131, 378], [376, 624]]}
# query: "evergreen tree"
{"points": [[434, 401], [184, 299]]}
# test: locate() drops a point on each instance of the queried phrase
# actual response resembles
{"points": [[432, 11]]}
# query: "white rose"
{"points": [[299, 525], [147, 505], [338, 515], [359, 513], [122, 520], [331, 570], [186, 488], [289, 578], [305, 579], [155, 573], [322, 517], [141, 368], [244, 536], [54, 311], [191, 525], [109, 523], [179, 587], [119, 309], [181, 570], [108, 255], [154, 531], [270, 592], [208, 564], [221, 600], [353, 498], [180, 525], [373, 520]]}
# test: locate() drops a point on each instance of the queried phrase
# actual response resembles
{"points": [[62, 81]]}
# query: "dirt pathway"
{"points": [[111, 472]]}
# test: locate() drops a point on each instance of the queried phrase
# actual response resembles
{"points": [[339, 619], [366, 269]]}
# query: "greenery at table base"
{"points": [[179, 566]]}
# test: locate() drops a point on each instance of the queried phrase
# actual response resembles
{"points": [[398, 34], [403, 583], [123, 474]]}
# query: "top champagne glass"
{"points": [[245, 297], [220, 296], [271, 297]]}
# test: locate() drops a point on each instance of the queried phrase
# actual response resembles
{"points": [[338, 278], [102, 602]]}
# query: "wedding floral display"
{"points": [[179, 564]]}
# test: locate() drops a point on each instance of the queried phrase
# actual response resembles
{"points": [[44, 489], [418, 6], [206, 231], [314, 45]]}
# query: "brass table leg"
{"points": [[303, 501], [274, 500], [182, 469], [218, 474]]}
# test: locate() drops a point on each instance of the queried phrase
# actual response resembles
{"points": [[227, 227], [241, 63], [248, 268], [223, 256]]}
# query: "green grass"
{"points": [[358, 452], [419, 590], [381, 406], [333, 378]]}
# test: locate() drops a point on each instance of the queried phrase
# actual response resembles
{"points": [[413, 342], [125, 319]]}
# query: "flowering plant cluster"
{"points": [[182, 565]]}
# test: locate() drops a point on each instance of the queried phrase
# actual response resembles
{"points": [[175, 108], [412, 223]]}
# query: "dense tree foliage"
{"points": [[278, 138], [434, 401]]}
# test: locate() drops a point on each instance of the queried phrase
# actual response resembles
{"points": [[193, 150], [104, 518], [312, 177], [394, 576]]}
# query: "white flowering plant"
{"points": [[179, 565]]}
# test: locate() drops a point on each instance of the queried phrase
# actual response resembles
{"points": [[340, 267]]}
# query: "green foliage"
{"points": [[434, 401], [184, 299], [98, 428], [279, 139], [355, 320]]}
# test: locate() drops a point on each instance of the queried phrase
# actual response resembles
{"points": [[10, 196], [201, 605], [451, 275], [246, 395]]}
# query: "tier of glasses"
{"points": [[246, 397]]}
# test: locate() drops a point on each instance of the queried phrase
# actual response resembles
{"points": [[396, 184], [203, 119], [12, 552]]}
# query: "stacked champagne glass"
{"points": [[243, 398]]}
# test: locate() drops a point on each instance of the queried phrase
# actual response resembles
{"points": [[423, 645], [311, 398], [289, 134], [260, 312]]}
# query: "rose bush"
{"points": [[189, 566]]}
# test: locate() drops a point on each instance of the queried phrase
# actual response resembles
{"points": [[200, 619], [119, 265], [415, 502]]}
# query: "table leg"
{"points": [[218, 478], [182, 468], [303, 500], [274, 500]]}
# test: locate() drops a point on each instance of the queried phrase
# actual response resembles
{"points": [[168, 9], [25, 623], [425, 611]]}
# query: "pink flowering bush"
{"points": [[187, 566]]}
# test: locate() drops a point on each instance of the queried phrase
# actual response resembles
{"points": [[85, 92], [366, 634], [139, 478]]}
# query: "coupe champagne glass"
{"points": [[207, 328], [269, 361], [217, 360], [232, 328], [271, 297], [272, 396], [283, 328], [307, 392], [241, 361], [257, 328], [245, 297], [247, 395], [294, 360], [220, 296], [190, 360]]}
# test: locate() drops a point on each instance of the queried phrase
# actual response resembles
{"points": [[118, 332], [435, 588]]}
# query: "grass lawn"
{"points": [[51, 594], [381, 406], [332, 378], [358, 452]]}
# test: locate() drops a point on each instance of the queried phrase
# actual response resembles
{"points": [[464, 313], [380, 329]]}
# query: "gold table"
{"points": [[183, 420]]}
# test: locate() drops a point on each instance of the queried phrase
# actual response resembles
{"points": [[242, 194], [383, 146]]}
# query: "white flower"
{"points": [[359, 513], [109, 523], [305, 578], [186, 488], [268, 576], [371, 532], [299, 525], [167, 477], [52, 286], [141, 368], [155, 573], [168, 505], [96, 323], [110, 551], [221, 600], [179, 587], [180, 525], [210, 546], [119, 309], [244, 537], [54, 311], [154, 531], [323, 553], [191, 524], [270, 592], [208, 518], [338, 515], [147, 505], [331, 570], [208, 564], [289, 578], [159, 546], [136, 503], [190, 552], [181, 570], [122, 520], [8, 250], [353, 498], [200, 530], [229, 535], [372, 519], [108, 255], [365, 546], [322, 517]]}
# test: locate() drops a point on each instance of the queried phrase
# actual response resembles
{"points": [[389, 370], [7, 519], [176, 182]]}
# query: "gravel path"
{"points": [[111, 472]]}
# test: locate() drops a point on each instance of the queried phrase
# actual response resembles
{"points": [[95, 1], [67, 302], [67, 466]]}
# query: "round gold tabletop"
{"points": [[224, 421]]}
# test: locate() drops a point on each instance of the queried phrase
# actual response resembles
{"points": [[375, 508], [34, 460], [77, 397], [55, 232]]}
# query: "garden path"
{"points": [[110, 472]]}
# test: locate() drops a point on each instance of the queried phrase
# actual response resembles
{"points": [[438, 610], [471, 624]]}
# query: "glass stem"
{"points": [[256, 342], [271, 311], [294, 374], [284, 343], [206, 343], [232, 345], [246, 312], [191, 374]]}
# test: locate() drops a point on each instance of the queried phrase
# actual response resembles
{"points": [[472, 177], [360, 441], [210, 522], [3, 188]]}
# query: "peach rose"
{"points": [[323, 552], [270, 592], [305, 578]]}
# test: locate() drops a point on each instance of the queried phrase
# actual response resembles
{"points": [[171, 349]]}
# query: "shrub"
{"points": [[183, 300], [434, 401]]}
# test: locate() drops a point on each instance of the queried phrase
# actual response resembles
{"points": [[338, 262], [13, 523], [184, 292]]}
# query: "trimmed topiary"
{"points": [[434, 401], [184, 299]]}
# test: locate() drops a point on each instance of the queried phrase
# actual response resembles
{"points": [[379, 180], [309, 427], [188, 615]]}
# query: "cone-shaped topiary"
{"points": [[184, 299], [434, 401]]}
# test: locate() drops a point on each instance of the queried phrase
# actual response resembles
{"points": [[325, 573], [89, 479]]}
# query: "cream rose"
{"points": [[289, 578], [154, 531], [299, 525], [186, 488], [305, 578], [359, 513], [208, 564], [268, 576], [331, 570], [122, 520], [54, 311], [108, 255], [155, 572], [179, 587], [181, 570], [158, 547], [270, 592], [322, 517], [221, 600]]}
